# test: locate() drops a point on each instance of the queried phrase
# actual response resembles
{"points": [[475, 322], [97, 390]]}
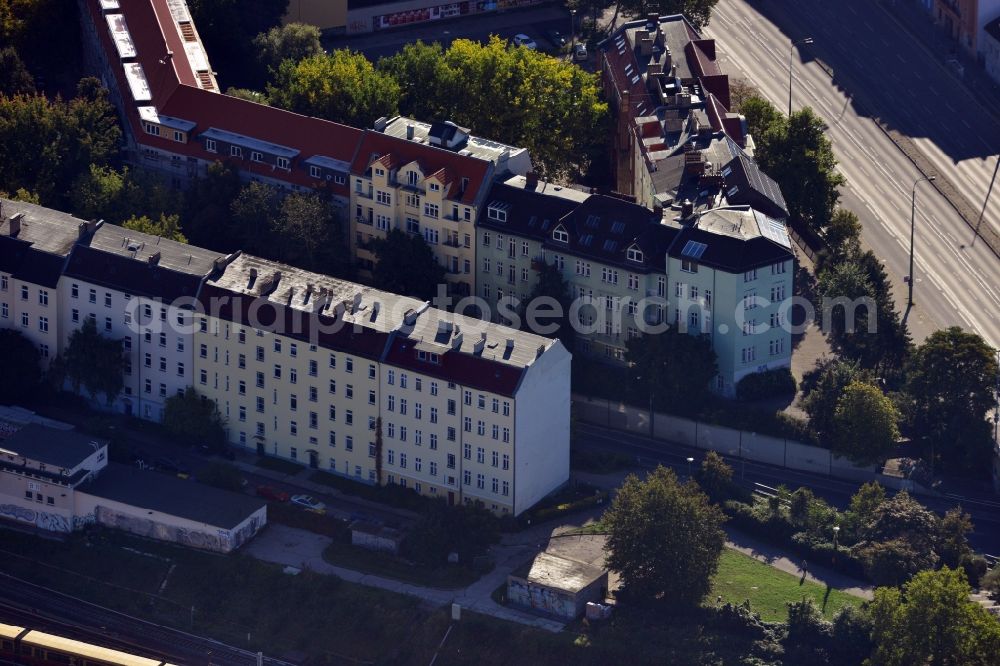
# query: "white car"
{"points": [[309, 503], [525, 41]]}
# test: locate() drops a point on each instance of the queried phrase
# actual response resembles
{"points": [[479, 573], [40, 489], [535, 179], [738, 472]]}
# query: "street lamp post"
{"points": [[572, 30], [836, 532], [791, 49], [913, 222], [690, 460]]}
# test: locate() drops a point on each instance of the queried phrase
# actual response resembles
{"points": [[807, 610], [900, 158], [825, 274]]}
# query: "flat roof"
{"points": [[485, 149], [172, 496], [120, 35], [150, 114], [560, 573], [137, 82], [87, 650], [59, 448]]}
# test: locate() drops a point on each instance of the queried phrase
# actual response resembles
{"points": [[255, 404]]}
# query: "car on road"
{"points": [[272, 493], [521, 39], [556, 38], [580, 52], [309, 503], [171, 466]]}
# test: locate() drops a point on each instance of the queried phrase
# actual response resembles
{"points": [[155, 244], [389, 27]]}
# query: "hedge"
{"points": [[761, 385]]}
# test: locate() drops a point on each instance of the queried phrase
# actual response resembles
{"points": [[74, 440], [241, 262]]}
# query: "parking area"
{"points": [[538, 23]]}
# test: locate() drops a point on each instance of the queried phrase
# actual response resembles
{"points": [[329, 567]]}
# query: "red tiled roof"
{"points": [[432, 159]]}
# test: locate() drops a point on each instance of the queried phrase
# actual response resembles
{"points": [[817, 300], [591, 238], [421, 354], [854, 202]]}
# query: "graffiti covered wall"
{"points": [[53, 522], [539, 598], [157, 530]]}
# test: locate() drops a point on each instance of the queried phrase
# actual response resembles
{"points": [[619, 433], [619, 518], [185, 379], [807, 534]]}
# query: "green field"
{"points": [[742, 577]]}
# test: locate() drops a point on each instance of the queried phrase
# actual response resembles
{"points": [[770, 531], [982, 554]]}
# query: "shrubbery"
{"points": [[761, 385]]}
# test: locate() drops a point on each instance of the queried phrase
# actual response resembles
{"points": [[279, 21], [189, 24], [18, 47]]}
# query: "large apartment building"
{"points": [[724, 272], [370, 385]]}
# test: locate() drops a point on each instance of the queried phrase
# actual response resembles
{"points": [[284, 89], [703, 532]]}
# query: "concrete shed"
{"points": [[376, 537], [163, 507], [557, 586]]}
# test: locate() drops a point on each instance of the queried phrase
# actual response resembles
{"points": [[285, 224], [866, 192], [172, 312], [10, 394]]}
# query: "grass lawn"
{"points": [[279, 465], [742, 577], [448, 577]]}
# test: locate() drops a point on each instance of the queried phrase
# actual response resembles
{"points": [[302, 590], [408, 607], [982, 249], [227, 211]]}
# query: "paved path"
{"points": [[302, 549]]}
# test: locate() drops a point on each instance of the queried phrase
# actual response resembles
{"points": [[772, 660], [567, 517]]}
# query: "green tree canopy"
{"points": [[342, 86], [228, 28], [209, 209], [698, 12], [15, 79], [308, 234], [405, 264], [22, 372], [194, 419], [822, 388], [552, 285], [843, 236], [715, 477], [249, 95], [513, 95], [168, 226], [865, 424], [951, 381], [674, 367], [933, 621], [95, 362], [664, 538], [291, 41]]}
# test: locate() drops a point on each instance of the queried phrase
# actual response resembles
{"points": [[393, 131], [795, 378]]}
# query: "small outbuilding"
{"points": [[377, 537], [557, 586]]}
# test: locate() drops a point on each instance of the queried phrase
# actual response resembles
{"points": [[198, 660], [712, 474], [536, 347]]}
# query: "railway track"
{"points": [[34, 605]]}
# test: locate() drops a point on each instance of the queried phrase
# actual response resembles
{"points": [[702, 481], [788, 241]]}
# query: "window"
{"points": [[777, 346], [349, 364], [5, 312], [434, 187], [43, 297], [315, 171], [689, 266], [43, 324], [467, 477], [92, 297], [778, 268], [480, 481], [431, 210], [235, 151], [211, 146], [371, 373], [434, 415], [496, 406], [24, 293], [750, 275], [748, 354], [383, 197], [256, 156], [635, 254], [180, 369], [497, 212], [282, 163]]}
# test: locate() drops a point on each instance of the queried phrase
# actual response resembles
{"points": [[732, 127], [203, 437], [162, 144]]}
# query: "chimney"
{"points": [[652, 20], [640, 40], [654, 69], [271, 284], [409, 131], [687, 209], [480, 344], [154, 258], [15, 224], [380, 124], [456, 342], [410, 317], [539, 351], [510, 344], [531, 180], [356, 303]]}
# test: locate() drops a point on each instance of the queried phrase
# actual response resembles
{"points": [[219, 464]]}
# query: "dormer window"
{"points": [[178, 136], [497, 211], [412, 178], [435, 187], [635, 254], [560, 234], [152, 129], [380, 172], [210, 145], [282, 163], [315, 171], [235, 151], [256, 156]]}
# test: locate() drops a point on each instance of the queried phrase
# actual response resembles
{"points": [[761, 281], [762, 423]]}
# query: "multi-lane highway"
{"points": [[880, 71]]}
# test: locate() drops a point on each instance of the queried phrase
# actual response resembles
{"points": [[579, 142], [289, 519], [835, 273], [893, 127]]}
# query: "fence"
{"points": [[726, 441]]}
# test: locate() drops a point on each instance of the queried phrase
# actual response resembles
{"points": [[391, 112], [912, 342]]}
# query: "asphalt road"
{"points": [[880, 70], [25, 604], [649, 453]]}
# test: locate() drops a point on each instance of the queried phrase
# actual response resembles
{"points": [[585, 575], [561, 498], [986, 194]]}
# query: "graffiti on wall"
{"points": [[245, 533], [52, 522], [155, 530], [540, 598], [18, 513], [79, 522]]}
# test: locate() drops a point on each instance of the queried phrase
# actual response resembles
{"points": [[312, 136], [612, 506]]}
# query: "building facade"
{"points": [[991, 49], [965, 22]]}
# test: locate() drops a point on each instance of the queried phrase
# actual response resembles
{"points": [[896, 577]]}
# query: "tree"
{"points": [[291, 41], [865, 424], [228, 27], [117, 196], [405, 264], [864, 502], [94, 362], [309, 235], [808, 636], [194, 419], [21, 363], [822, 387], [843, 236], [552, 285], [168, 226], [664, 538], [208, 208], [933, 621], [343, 87], [954, 529], [715, 477], [798, 155], [254, 211], [249, 95], [898, 540], [764, 122], [698, 12], [674, 368], [740, 90], [513, 95], [951, 386], [15, 79], [222, 475], [851, 640]]}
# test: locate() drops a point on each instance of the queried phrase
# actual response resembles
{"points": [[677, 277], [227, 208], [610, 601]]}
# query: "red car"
{"points": [[272, 493]]}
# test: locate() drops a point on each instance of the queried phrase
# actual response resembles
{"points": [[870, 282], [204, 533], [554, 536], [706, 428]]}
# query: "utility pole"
{"points": [[791, 50]]}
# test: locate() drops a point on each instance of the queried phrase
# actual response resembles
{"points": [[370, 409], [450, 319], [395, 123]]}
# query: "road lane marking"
{"points": [[901, 58]]}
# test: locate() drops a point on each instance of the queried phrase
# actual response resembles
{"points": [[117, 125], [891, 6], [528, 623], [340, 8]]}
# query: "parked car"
{"points": [[556, 38], [309, 503], [580, 52], [272, 493], [171, 466], [527, 42]]}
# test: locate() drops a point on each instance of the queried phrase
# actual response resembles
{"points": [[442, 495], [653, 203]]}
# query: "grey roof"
{"points": [[51, 446], [169, 495], [752, 186], [735, 239], [248, 142], [136, 245], [45, 229], [993, 29], [560, 573], [484, 149]]}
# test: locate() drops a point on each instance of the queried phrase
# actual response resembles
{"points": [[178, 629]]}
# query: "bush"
{"points": [[392, 494], [975, 568], [569, 500], [222, 475], [761, 385], [991, 582]]}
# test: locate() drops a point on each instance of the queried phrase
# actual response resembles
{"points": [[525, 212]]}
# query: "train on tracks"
{"points": [[22, 646]]}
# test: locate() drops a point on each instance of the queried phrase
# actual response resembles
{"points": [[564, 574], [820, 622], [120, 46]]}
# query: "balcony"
{"points": [[538, 263], [451, 242], [364, 220]]}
